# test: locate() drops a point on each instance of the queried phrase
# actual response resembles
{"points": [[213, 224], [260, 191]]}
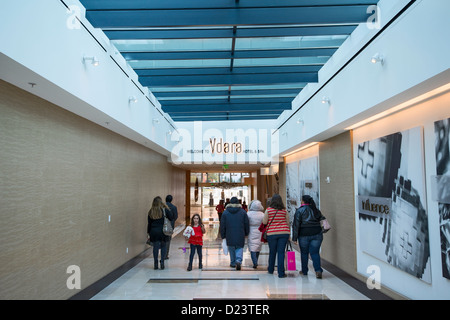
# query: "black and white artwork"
{"points": [[442, 189], [393, 222], [308, 172], [302, 177], [292, 189]]}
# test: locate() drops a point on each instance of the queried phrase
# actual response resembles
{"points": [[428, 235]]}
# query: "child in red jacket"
{"points": [[196, 240]]}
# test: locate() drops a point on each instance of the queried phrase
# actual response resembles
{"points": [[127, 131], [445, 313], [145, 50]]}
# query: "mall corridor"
{"points": [[218, 281], [107, 105]]}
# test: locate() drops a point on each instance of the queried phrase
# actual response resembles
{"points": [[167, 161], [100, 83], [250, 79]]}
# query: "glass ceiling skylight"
{"points": [[219, 60]]}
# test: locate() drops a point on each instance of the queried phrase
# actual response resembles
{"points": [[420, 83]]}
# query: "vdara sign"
{"points": [[218, 146], [194, 145]]}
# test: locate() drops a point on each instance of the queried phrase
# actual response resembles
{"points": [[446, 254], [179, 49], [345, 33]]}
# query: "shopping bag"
{"points": [[290, 258], [225, 247], [325, 225]]}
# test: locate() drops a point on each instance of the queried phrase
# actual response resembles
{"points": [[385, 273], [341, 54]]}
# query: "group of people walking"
{"points": [[257, 225], [155, 234], [274, 222]]}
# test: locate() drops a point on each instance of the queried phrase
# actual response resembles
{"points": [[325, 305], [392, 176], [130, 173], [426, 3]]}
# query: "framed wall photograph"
{"points": [[391, 201], [302, 178], [442, 189]]}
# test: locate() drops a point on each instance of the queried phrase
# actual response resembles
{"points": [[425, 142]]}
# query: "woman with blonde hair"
{"points": [[155, 229]]}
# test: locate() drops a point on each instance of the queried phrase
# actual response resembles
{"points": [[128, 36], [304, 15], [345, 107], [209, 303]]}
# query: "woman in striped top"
{"points": [[278, 233]]}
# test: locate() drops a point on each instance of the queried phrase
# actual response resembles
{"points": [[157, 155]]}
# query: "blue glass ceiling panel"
{"points": [[222, 54], [226, 95], [292, 61], [237, 16], [289, 42], [194, 63], [227, 60], [292, 86], [237, 70], [215, 63], [227, 107], [227, 32], [228, 79], [168, 45], [216, 4]]}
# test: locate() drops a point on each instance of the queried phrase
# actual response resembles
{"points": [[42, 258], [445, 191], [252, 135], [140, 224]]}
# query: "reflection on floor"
{"points": [[219, 281]]}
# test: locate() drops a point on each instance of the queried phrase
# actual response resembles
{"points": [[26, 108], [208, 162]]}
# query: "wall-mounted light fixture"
{"points": [[169, 132], [377, 58], [94, 61], [326, 100], [132, 99], [300, 121], [155, 121], [284, 133]]}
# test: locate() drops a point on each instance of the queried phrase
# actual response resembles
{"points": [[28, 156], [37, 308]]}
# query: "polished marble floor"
{"points": [[218, 281]]}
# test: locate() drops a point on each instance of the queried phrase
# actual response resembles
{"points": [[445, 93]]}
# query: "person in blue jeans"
{"points": [[307, 229], [276, 218], [234, 227], [155, 225]]}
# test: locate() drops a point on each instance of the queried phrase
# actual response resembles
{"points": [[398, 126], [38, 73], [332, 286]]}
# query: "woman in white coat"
{"points": [[255, 216]]}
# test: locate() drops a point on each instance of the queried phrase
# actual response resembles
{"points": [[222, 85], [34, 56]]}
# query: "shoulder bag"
{"points": [[325, 225], [267, 228], [167, 227]]}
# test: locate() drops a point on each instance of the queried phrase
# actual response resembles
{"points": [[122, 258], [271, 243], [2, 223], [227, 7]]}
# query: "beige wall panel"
{"points": [[61, 176], [337, 201], [179, 193]]}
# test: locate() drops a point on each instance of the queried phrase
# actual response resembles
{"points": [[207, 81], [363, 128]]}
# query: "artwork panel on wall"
{"points": [[391, 199], [441, 189], [302, 178], [309, 178], [292, 189]]}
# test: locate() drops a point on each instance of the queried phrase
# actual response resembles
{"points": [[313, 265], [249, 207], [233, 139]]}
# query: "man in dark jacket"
{"points": [[174, 211], [234, 227]]}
